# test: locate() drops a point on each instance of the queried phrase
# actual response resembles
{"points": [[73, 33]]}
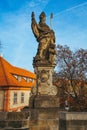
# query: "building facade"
{"points": [[15, 86]]}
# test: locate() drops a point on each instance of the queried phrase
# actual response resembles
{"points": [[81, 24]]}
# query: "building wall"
{"points": [[1, 99], [19, 105]]}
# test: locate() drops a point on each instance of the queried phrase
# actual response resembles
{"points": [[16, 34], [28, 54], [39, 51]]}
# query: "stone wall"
{"points": [[43, 119], [73, 121], [14, 120]]}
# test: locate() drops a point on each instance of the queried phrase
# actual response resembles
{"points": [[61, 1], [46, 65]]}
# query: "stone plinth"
{"points": [[44, 112], [44, 119]]}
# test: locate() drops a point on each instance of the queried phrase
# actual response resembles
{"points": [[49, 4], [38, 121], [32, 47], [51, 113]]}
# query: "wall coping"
{"points": [[72, 115]]}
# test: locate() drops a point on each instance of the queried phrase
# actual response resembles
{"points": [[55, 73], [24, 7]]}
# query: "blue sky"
{"points": [[19, 45]]}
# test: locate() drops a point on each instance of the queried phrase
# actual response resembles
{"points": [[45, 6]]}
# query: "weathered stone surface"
{"points": [[46, 51], [3, 115], [40, 128], [44, 118], [44, 101], [73, 121], [3, 124], [44, 112], [14, 120], [17, 115], [44, 80], [17, 124], [16, 128]]}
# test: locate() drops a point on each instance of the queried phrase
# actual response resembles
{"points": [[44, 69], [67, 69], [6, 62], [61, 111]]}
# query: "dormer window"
{"points": [[19, 78], [27, 79], [33, 80], [24, 78], [30, 80], [15, 76]]}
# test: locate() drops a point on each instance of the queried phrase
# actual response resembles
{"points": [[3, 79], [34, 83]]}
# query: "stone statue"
{"points": [[46, 38]]}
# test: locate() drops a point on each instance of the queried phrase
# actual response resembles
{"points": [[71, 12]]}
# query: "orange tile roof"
{"points": [[7, 72]]}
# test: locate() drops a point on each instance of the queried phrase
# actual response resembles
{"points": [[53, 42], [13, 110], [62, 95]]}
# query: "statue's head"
{"points": [[42, 17]]}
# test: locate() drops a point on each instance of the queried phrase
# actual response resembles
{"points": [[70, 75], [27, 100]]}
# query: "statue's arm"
{"points": [[34, 26]]}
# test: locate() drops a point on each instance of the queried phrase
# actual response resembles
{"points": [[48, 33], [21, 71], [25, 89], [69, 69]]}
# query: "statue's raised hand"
{"points": [[32, 15]]}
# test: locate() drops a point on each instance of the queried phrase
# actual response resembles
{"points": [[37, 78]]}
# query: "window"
{"points": [[24, 78], [27, 80], [19, 78], [15, 98], [15, 76], [22, 97], [31, 80]]}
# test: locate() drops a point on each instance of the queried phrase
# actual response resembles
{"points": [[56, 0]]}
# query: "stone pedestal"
{"points": [[44, 104], [44, 119], [44, 112]]}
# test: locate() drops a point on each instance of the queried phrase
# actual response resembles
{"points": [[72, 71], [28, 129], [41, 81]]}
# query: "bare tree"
{"points": [[71, 74]]}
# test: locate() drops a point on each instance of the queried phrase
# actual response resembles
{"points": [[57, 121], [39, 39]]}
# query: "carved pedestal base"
{"points": [[44, 81]]}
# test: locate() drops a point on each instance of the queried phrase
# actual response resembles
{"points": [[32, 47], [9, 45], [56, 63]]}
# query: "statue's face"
{"points": [[43, 19]]}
